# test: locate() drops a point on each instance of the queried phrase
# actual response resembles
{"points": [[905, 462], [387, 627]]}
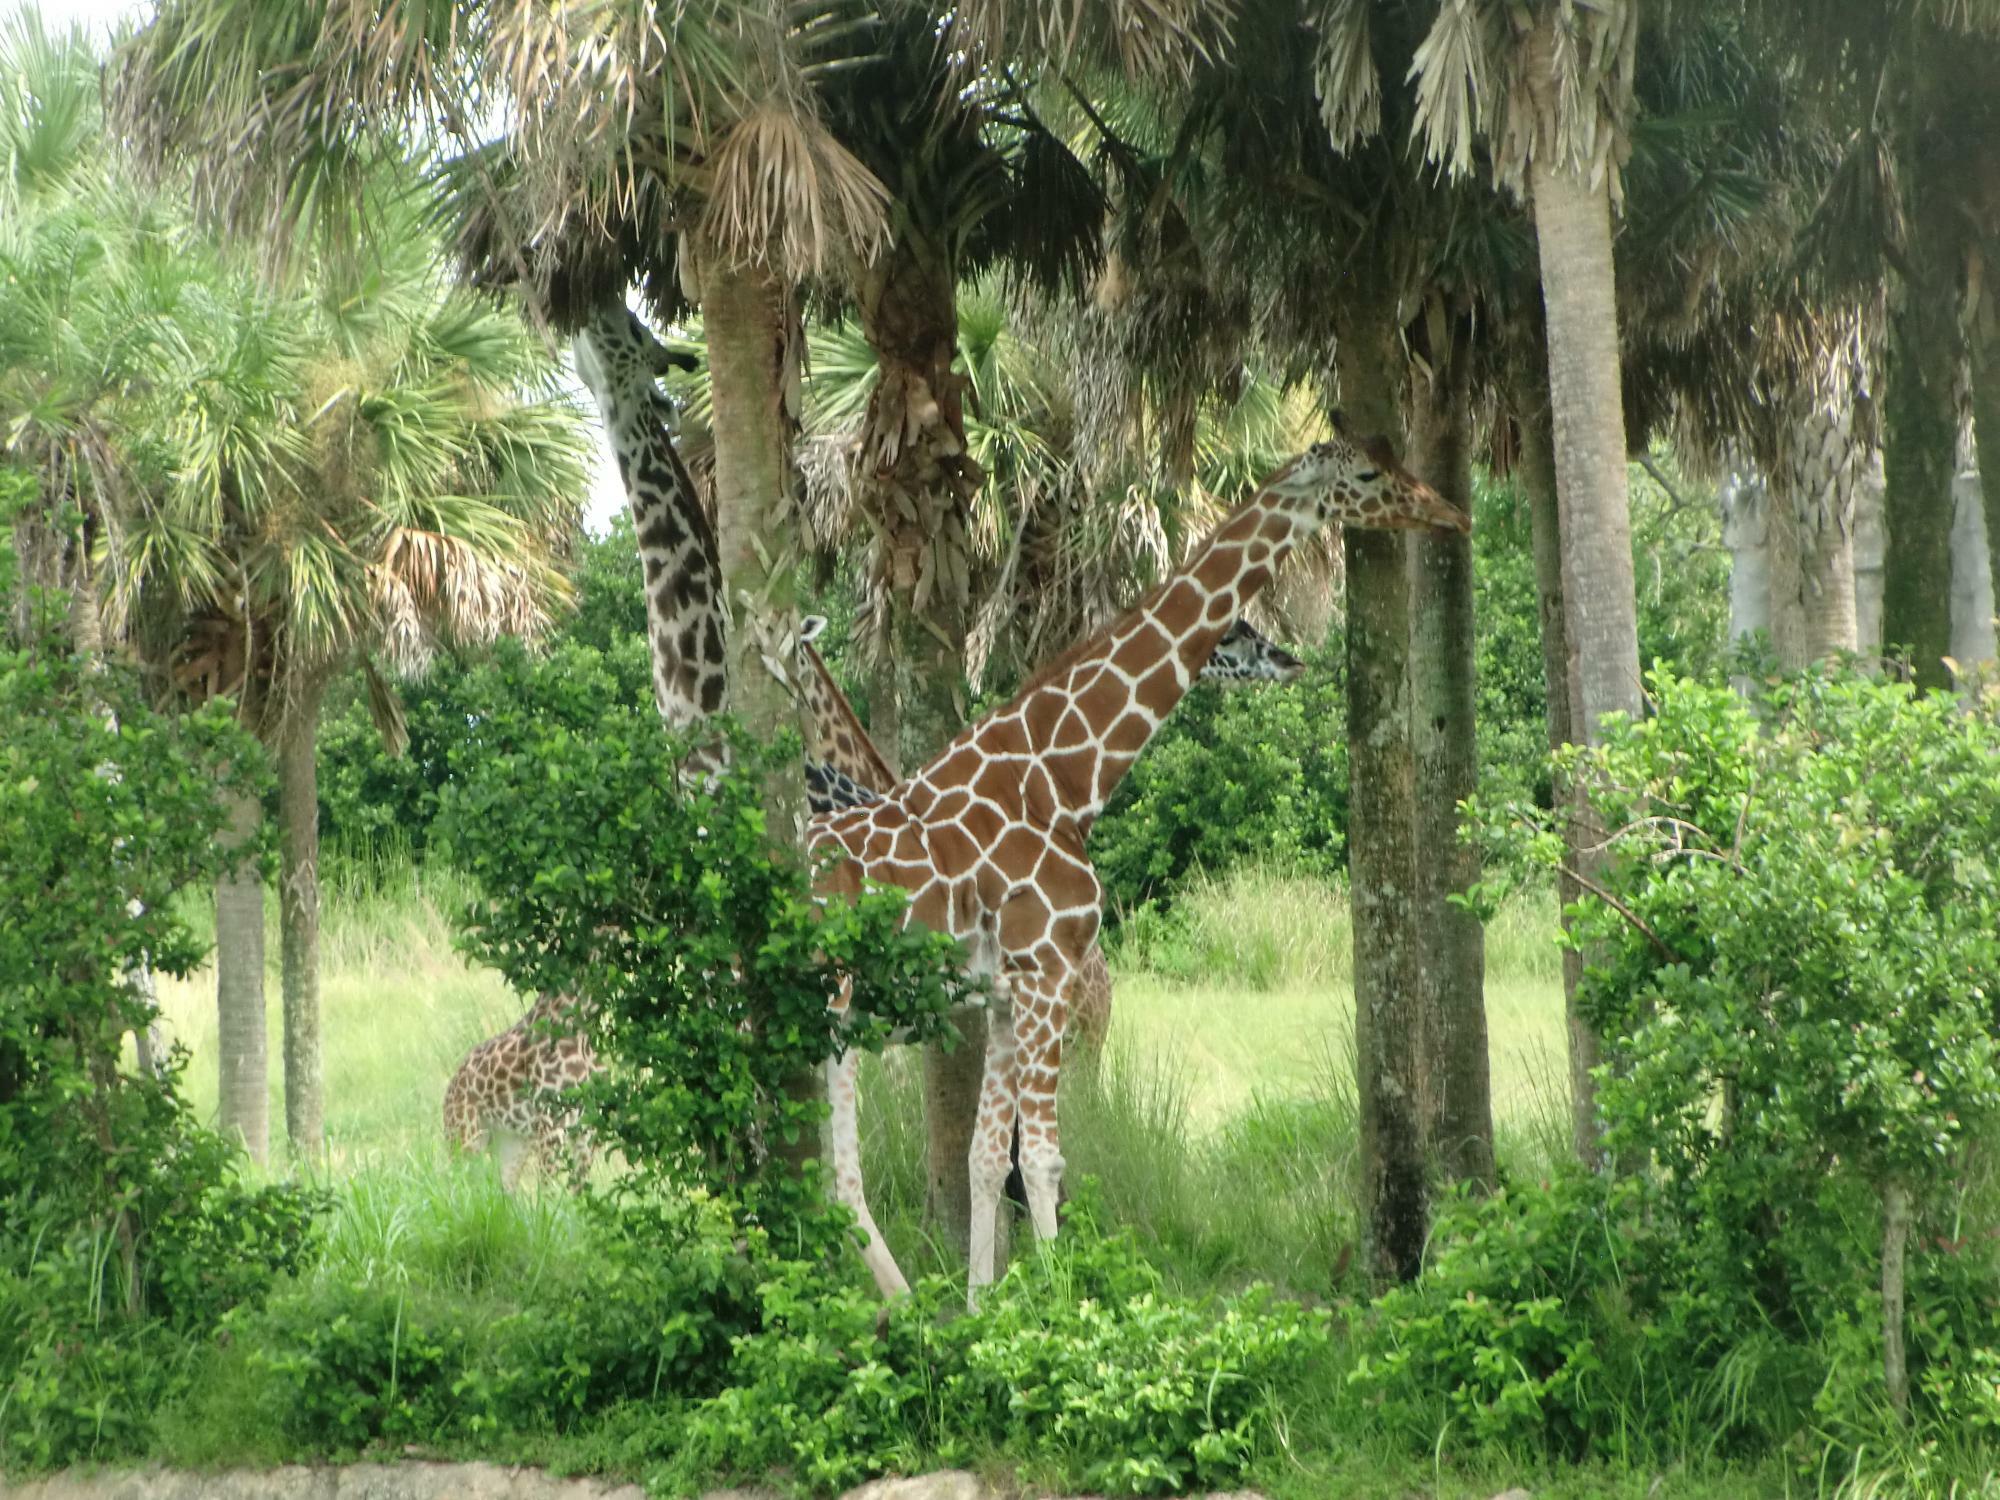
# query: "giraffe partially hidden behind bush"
{"points": [[509, 1094], [844, 768], [989, 837]]}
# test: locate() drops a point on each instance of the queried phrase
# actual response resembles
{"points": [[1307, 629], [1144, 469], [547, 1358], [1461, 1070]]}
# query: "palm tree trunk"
{"points": [[1824, 462], [1786, 577], [1985, 342], [1452, 955], [1573, 235], [914, 476], [1382, 836], [1538, 479], [298, 917], [1868, 550], [243, 1101], [1746, 504], [749, 328], [1971, 577], [1920, 444]]}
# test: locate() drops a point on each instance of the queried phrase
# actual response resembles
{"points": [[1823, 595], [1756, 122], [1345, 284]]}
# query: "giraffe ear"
{"points": [[809, 628], [1378, 449]]}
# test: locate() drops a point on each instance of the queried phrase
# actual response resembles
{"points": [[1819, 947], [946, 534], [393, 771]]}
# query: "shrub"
{"points": [[1234, 773], [701, 953], [1554, 1319], [371, 800], [1793, 945], [1076, 1362], [120, 1219]]}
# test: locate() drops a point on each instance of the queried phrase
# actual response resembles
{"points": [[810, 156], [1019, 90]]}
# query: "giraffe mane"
{"points": [[1070, 655], [1076, 650]]}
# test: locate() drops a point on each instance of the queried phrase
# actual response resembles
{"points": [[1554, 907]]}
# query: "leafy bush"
{"points": [[1792, 960], [120, 1218], [1558, 1318], [699, 950], [1126, 1390], [370, 800], [1075, 1362], [1233, 774]]}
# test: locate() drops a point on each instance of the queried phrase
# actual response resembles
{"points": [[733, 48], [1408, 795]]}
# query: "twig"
{"points": [[1637, 921], [1652, 467]]}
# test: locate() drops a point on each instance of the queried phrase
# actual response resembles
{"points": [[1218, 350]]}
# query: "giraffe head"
{"points": [[621, 362], [1243, 655], [1357, 482]]}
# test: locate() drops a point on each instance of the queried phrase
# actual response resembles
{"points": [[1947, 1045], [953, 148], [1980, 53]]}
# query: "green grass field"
{"points": [[1245, 1005], [1220, 1125]]}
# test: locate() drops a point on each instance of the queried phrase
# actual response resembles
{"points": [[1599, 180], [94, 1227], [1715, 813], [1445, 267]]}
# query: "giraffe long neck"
{"points": [[687, 623], [1073, 732], [838, 740]]}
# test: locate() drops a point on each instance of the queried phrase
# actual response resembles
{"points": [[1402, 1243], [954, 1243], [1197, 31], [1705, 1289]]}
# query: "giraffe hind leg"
{"points": [[513, 1149], [986, 1167], [1037, 1070]]}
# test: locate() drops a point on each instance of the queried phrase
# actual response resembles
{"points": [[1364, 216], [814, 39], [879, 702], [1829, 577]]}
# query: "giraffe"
{"points": [[507, 1093], [687, 618], [844, 768], [988, 838], [507, 1078]]}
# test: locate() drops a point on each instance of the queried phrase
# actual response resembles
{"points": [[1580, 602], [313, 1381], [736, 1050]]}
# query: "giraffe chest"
{"points": [[1004, 887]]}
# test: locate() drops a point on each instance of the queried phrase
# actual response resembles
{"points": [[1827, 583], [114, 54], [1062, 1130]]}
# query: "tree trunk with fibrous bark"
{"points": [[1383, 832], [747, 320], [1458, 1110], [1572, 218]]}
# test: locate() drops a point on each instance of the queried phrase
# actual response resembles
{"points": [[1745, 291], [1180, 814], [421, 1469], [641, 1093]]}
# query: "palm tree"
{"points": [[90, 274], [1551, 88], [1905, 89], [347, 476]]}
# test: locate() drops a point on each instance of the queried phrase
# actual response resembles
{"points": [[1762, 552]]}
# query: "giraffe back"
{"points": [[509, 1092]]}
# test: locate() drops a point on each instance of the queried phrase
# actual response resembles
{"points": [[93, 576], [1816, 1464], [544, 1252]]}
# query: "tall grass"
{"points": [[1220, 1122]]}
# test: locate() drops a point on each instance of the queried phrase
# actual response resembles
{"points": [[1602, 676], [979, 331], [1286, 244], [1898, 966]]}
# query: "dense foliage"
{"points": [[692, 938], [1793, 958], [122, 1225]]}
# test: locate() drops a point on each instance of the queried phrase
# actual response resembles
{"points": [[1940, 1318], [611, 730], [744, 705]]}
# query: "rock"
{"points": [[948, 1484]]}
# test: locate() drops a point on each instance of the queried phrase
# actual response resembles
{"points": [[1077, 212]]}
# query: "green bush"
{"points": [[700, 952], [1234, 774], [371, 801], [1792, 961], [1555, 1319], [1119, 1388], [122, 1227], [1076, 1363]]}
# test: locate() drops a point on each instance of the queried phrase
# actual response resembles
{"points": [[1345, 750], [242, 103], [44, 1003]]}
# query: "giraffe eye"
{"points": [[1369, 476]]}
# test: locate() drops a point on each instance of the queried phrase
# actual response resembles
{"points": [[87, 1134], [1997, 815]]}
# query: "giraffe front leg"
{"points": [[1040, 1014], [843, 1096], [992, 1140]]}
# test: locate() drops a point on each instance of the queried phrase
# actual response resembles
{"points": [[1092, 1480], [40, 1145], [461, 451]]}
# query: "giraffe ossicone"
{"points": [[988, 838]]}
